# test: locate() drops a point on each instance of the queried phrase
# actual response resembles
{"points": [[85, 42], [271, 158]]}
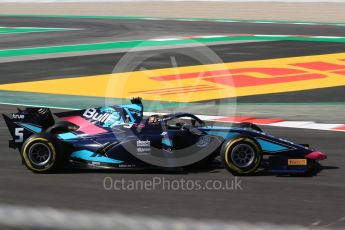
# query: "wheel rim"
{"points": [[39, 154], [243, 155]]}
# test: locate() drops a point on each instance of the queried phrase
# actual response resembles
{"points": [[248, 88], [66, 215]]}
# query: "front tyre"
{"points": [[41, 153], [241, 156]]}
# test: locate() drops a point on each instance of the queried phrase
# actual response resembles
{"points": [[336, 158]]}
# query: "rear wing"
{"points": [[25, 123]]}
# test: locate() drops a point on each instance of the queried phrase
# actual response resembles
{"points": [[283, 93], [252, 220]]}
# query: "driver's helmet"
{"points": [[153, 119]]}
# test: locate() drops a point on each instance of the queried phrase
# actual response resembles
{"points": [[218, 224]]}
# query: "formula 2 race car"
{"points": [[119, 137]]}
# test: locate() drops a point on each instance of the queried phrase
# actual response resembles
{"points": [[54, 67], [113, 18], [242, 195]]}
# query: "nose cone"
{"points": [[316, 155]]}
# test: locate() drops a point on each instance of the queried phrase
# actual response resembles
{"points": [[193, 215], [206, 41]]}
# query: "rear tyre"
{"points": [[42, 153], [241, 156]]}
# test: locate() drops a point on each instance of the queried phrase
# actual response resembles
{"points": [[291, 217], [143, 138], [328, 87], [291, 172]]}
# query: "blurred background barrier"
{"points": [[171, 0], [45, 1], [296, 10]]}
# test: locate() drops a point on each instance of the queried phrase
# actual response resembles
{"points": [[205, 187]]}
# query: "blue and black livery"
{"points": [[121, 137]]}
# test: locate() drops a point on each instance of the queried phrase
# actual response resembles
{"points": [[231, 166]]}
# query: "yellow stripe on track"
{"points": [[203, 82]]}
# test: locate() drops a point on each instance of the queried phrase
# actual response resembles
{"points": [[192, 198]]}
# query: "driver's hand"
{"points": [[180, 124]]}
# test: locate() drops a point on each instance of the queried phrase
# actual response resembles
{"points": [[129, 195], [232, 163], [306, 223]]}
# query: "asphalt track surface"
{"points": [[104, 63], [264, 198], [98, 30]]}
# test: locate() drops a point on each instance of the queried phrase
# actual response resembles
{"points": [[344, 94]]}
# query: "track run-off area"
{"points": [[289, 71]]}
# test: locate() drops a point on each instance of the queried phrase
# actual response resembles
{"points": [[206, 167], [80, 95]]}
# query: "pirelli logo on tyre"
{"points": [[203, 82], [297, 161]]}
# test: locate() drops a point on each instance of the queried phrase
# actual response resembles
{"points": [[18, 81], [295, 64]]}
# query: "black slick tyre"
{"points": [[241, 155], [42, 153]]}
